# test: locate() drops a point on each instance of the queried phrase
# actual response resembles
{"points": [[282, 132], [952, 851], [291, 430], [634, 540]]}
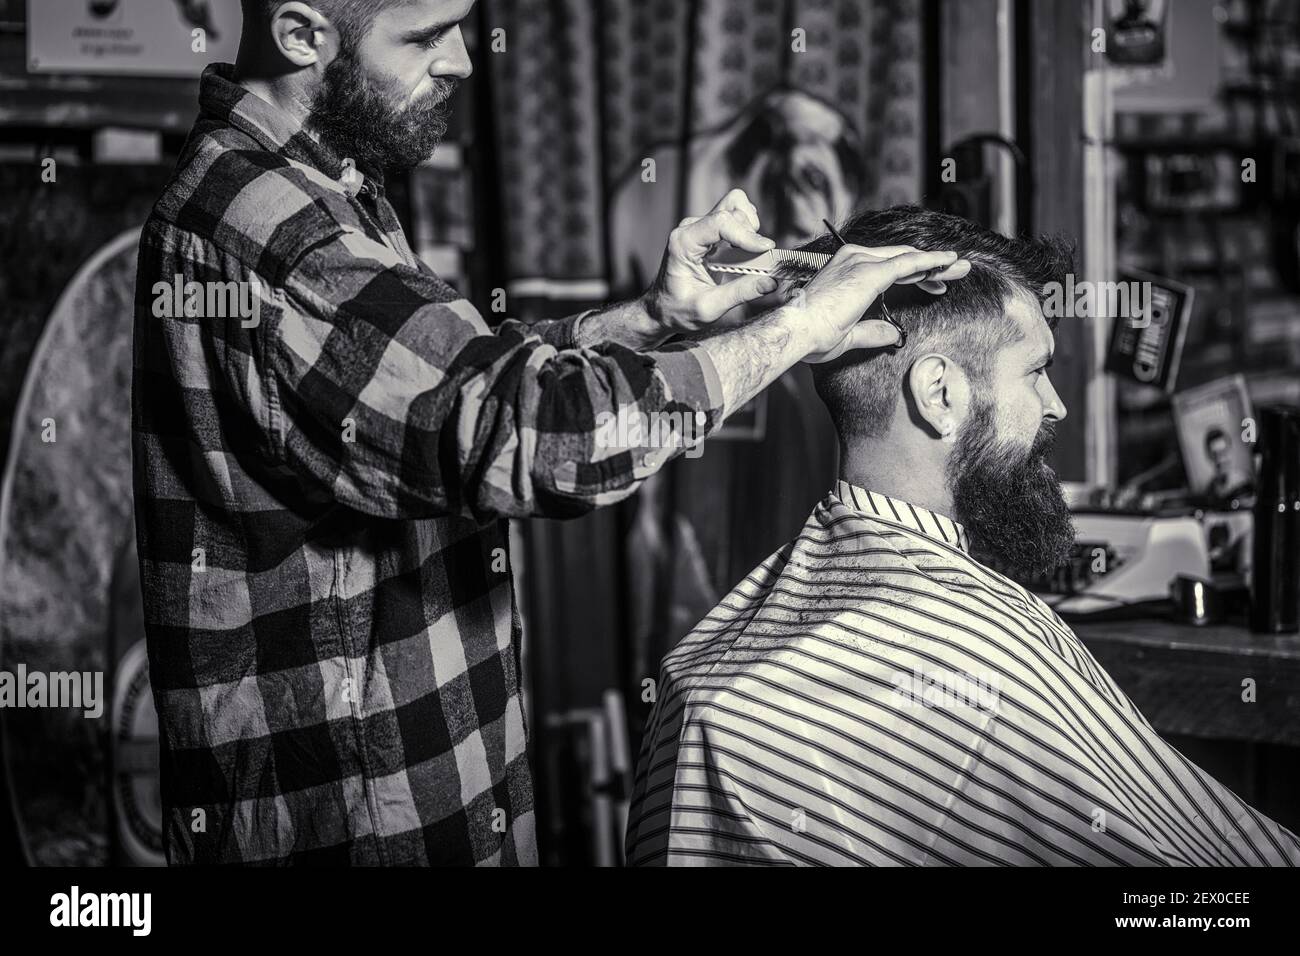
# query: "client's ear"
{"points": [[940, 392]]}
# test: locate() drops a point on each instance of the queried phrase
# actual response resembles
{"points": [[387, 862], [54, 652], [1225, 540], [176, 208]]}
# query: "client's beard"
{"points": [[356, 117], [1008, 499]]}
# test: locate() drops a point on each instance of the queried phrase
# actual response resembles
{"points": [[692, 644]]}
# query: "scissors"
{"points": [[791, 263]]}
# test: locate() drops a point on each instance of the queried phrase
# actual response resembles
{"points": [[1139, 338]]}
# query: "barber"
{"points": [[331, 625]]}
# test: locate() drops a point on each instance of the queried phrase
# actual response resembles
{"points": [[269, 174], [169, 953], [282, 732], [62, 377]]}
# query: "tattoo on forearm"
{"points": [[624, 323], [751, 358]]}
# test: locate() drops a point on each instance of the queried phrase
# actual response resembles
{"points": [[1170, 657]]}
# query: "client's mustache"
{"points": [[1044, 441], [442, 91]]}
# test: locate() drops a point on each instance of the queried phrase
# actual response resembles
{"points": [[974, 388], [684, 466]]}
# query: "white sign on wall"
{"points": [[141, 37]]}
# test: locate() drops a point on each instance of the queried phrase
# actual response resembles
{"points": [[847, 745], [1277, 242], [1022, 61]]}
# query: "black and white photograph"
{"points": [[625, 434], [1218, 467]]}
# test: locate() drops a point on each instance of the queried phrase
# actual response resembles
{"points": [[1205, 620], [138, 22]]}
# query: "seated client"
{"points": [[874, 693]]}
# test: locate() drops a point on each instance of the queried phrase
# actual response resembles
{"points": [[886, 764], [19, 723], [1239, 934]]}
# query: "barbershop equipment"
{"points": [[791, 264], [1196, 602], [882, 310], [1123, 559], [972, 194], [781, 263], [1149, 351], [1275, 591], [834, 232], [794, 264], [602, 746], [774, 262]]}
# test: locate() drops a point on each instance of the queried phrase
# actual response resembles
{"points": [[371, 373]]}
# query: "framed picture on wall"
{"points": [[1212, 425], [1137, 31]]}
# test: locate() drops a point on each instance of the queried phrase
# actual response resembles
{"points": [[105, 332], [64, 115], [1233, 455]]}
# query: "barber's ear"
{"points": [[300, 33], [941, 392]]}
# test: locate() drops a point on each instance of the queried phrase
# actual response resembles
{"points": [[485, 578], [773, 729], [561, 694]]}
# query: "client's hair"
{"points": [[968, 322], [352, 18]]}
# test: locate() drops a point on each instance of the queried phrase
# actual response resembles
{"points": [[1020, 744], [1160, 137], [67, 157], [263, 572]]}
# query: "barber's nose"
{"points": [[453, 58]]}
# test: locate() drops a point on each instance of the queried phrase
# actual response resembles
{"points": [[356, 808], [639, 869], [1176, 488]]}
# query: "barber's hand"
{"points": [[828, 311], [685, 297]]}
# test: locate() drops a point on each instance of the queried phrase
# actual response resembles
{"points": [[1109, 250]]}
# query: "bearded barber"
{"points": [[332, 635]]}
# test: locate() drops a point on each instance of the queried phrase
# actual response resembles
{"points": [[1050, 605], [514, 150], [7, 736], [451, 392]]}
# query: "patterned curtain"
{"points": [[586, 91]]}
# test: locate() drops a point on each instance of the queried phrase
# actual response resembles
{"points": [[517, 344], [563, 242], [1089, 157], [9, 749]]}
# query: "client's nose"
{"points": [[1055, 409]]}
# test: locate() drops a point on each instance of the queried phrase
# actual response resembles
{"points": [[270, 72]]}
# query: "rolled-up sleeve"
{"points": [[394, 396]]}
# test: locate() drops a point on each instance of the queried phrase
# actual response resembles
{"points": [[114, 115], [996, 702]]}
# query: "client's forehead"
{"points": [[1035, 338]]}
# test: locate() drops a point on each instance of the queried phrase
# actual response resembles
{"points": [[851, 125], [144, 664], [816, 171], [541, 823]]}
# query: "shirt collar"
{"points": [[223, 99], [903, 514]]}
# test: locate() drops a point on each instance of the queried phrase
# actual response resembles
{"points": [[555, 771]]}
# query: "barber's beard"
{"points": [[1009, 500], [368, 121]]}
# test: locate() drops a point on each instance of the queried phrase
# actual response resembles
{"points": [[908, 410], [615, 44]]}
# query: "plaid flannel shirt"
{"points": [[320, 494]]}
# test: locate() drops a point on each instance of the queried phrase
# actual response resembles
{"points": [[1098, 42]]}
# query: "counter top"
{"points": [[1195, 680]]}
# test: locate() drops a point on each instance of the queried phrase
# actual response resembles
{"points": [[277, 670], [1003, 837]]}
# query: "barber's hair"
{"points": [[352, 18], [969, 322]]}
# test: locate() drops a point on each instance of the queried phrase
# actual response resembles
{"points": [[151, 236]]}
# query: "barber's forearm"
{"points": [[750, 358], [626, 323]]}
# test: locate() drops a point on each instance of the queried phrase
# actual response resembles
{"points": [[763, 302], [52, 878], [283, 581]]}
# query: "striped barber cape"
{"points": [[872, 695]]}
